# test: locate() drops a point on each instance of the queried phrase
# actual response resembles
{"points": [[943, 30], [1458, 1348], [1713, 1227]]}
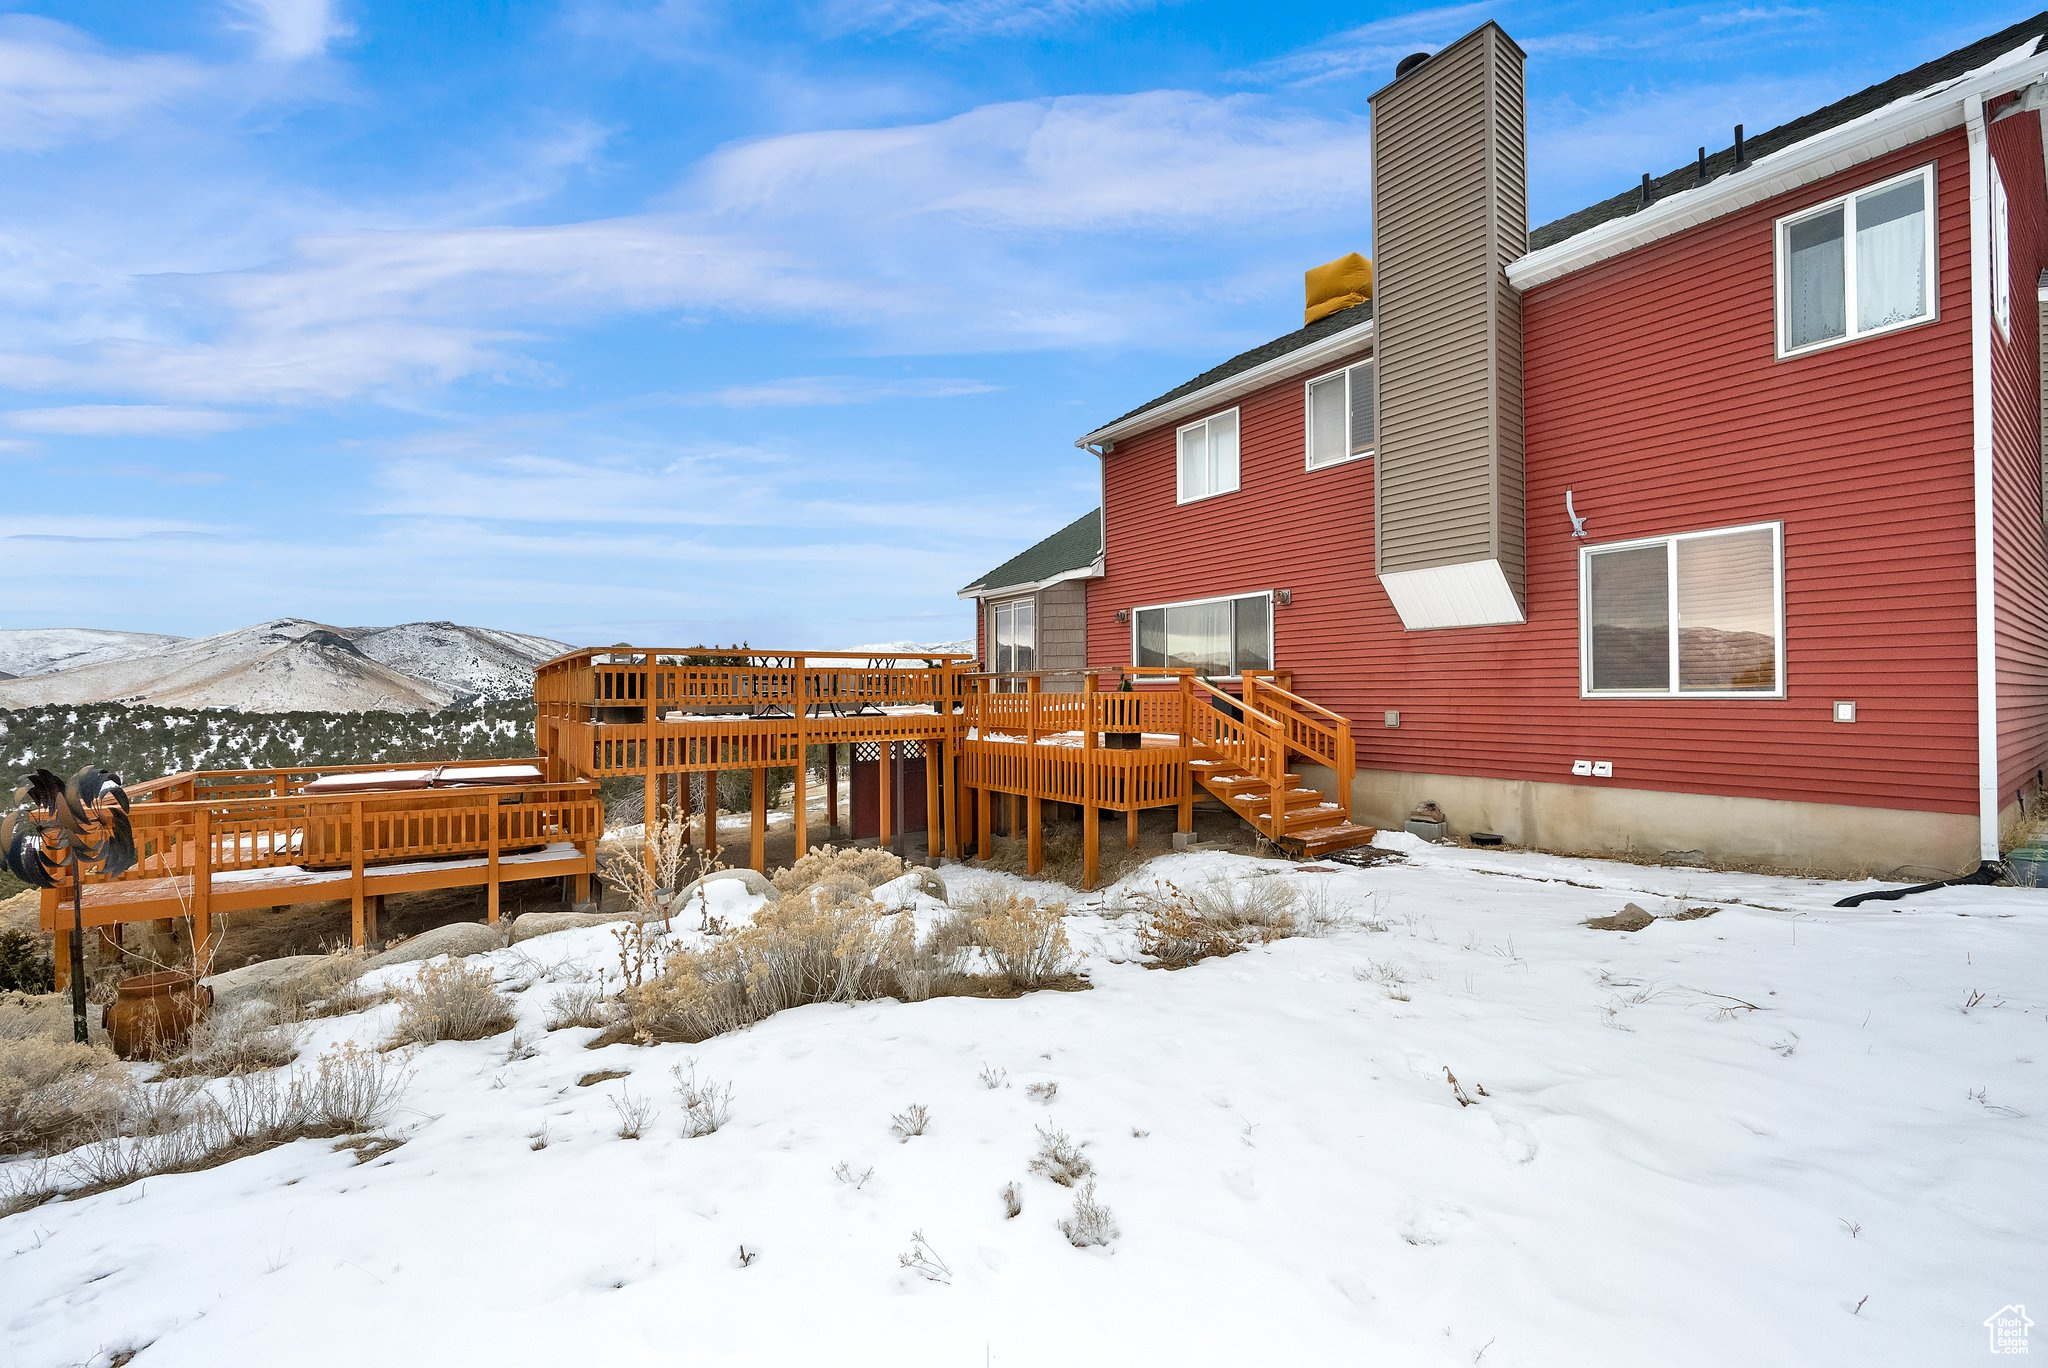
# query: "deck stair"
{"points": [[1242, 748]]}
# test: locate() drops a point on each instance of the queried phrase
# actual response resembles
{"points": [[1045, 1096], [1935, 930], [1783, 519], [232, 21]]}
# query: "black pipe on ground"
{"points": [[1989, 872]]}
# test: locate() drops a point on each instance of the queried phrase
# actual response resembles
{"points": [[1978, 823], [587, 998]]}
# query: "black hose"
{"points": [[1989, 872]]}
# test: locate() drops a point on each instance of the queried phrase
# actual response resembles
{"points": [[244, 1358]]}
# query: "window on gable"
{"points": [[1218, 638], [2001, 255], [1340, 416], [1858, 265], [1697, 614], [1208, 457]]}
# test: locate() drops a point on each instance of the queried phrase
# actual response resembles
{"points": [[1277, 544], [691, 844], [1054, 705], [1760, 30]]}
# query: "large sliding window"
{"points": [[1219, 638], [1697, 615], [1013, 635], [1340, 416], [1208, 457], [1858, 265]]}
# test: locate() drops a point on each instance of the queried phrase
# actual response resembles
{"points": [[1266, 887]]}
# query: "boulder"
{"points": [[755, 883], [543, 923], [903, 890], [1630, 918], [456, 939], [252, 981]]}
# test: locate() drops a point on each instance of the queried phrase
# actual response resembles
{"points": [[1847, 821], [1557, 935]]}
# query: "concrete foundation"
{"points": [[1644, 823]]}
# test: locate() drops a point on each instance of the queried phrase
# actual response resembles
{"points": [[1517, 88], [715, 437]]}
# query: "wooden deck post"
{"points": [[650, 809], [883, 765], [953, 777], [710, 816], [1034, 833], [358, 928], [1131, 829], [202, 893], [1091, 815], [1091, 844], [759, 850], [1186, 815], [984, 824], [832, 791], [932, 822], [491, 897], [801, 791]]}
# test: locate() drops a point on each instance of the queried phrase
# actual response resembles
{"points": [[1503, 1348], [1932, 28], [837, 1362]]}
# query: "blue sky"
{"points": [[702, 320]]}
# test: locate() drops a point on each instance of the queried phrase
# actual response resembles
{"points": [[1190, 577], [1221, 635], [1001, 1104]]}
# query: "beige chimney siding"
{"points": [[1450, 212]]}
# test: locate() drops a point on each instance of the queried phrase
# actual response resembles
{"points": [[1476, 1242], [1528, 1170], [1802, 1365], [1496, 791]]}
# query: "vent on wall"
{"points": [[1449, 212]]}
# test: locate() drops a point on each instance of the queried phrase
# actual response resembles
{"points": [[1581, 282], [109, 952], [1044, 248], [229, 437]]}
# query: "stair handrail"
{"points": [[1292, 707], [1273, 763]]}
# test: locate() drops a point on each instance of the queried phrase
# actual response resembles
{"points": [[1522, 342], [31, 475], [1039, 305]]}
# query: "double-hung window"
{"points": [[1858, 265], [1696, 615], [1218, 638], [1340, 416], [1208, 457], [1013, 635]]}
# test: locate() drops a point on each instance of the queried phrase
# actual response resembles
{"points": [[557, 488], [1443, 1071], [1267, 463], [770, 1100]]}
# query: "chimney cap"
{"points": [[1409, 63]]}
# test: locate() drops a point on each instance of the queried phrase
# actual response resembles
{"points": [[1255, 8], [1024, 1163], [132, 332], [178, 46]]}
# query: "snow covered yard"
{"points": [[1782, 1133]]}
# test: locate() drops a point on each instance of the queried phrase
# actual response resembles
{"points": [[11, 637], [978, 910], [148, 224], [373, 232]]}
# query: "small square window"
{"points": [[1207, 460], [1340, 415]]}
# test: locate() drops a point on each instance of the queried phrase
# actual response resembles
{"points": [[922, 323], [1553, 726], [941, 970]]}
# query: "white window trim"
{"points": [[995, 609], [1272, 628], [1586, 553], [1180, 494], [2001, 255], [1781, 265], [1309, 461]]}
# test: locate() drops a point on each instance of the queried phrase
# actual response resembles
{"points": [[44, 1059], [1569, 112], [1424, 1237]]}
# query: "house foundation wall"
{"points": [[1824, 837]]}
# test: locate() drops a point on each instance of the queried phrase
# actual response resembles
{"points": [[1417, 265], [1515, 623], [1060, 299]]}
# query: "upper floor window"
{"points": [[1858, 265], [1013, 635], [1216, 638], [1208, 457], [1700, 614], [1340, 415]]}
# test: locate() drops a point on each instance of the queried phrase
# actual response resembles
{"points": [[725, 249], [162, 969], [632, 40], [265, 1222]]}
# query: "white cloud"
{"points": [[123, 420], [821, 391], [57, 85], [970, 18], [1370, 50], [289, 30]]}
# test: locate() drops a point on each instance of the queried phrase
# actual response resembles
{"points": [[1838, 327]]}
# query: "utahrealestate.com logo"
{"points": [[2008, 1328]]}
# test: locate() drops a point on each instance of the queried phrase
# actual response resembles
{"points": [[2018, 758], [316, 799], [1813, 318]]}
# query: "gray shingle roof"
{"points": [[1259, 356], [1073, 547], [1721, 163]]}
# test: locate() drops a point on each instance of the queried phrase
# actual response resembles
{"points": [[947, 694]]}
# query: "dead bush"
{"points": [[1059, 1158], [1091, 1223], [450, 1001], [579, 1004], [1026, 943], [330, 988], [53, 1094], [833, 877], [243, 1041], [1178, 927], [706, 1105]]}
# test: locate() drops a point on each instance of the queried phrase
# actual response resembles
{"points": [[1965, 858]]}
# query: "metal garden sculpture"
{"points": [[75, 831]]}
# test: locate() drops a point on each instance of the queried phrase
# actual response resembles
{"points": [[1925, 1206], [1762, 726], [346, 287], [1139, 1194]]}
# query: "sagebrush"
{"points": [[450, 1001]]}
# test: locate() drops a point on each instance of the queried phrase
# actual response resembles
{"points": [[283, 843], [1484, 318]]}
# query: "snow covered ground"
{"points": [[1782, 1133]]}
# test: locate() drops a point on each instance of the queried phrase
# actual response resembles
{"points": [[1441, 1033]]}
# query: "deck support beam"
{"points": [[758, 846], [1091, 845], [952, 802], [1034, 825], [832, 791], [932, 822], [358, 928], [883, 787], [984, 821], [1131, 829], [491, 880]]}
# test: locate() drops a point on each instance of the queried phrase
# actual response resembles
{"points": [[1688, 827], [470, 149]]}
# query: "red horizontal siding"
{"points": [[1654, 393], [2021, 558]]}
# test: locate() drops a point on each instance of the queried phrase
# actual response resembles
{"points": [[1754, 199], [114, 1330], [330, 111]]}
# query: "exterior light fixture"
{"points": [[1123, 615], [1283, 597]]}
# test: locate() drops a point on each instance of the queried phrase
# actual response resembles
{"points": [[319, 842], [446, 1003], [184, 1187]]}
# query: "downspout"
{"points": [[1982, 469], [1101, 495]]}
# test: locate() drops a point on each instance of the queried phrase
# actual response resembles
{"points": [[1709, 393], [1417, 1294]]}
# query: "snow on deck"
{"points": [[1783, 1133]]}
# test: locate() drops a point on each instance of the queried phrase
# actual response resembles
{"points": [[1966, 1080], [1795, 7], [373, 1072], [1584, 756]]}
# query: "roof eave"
{"points": [[1838, 149], [1308, 357], [1093, 570]]}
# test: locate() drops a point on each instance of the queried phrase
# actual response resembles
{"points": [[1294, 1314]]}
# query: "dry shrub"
{"points": [[831, 877], [450, 1001], [244, 1041], [1091, 1223], [330, 988], [54, 1093], [1059, 1158], [579, 1004], [1026, 943], [1178, 927], [650, 891]]}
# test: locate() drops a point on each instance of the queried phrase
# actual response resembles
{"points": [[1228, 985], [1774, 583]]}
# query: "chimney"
{"points": [[1449, 212]]}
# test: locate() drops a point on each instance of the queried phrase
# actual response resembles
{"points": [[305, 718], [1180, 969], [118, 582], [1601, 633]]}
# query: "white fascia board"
{"points": [[1902, 123], [979, 591], [1209, 397]]}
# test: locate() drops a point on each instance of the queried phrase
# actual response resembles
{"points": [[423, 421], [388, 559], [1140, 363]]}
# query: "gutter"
{"points": [[1901, 124], [1231, 386], [1983, 505], [982, 591]]}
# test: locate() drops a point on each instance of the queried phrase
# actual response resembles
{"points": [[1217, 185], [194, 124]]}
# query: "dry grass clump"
{"points": [[1091, 1223], [1023, 942], [245, 1041], [330, 988], [53, 1092], [1178, 927], [1059, 1158], [578, 1004], [831, 877], [450, 1001]]}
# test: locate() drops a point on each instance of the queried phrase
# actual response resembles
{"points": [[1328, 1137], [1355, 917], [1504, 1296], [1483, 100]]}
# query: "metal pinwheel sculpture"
{"points": [[73, 831]]}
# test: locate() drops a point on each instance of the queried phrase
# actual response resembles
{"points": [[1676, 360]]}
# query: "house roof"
{"points": [[1066, 553], [1258, 356], [1947, 68]]}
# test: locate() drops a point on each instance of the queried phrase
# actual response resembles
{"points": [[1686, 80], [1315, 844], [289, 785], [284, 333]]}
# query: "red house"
{"points": [[1707, 519]]}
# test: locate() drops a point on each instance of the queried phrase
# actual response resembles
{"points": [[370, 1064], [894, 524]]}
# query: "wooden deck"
{"points": [[662, 714], [220, 842]]}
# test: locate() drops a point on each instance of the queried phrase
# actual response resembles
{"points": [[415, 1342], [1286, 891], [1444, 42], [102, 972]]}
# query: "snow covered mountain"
{"points": [[39, 650], [290, 665]]}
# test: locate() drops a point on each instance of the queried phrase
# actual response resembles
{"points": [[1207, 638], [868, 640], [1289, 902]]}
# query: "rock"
{"points": [[755, 883], [1630, 918], [456, 939], [1695, 913], [904, 890], [253, 981], [542, 923]]}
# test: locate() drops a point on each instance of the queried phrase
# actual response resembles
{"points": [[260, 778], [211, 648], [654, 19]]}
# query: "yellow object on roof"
{"points": [[1336, 285]]}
